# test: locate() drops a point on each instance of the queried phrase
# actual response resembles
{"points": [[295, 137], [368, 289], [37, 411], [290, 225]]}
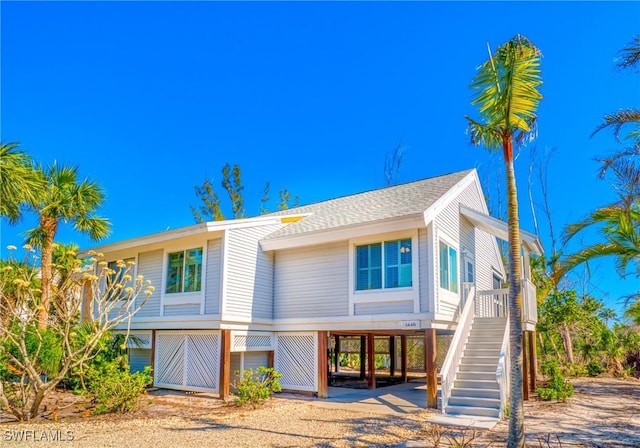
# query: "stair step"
{"points": [[476, 392], [481, 352], [481, 402], [471, 375], [476, 384], [480, 359], [473, 410], [466, 367]]}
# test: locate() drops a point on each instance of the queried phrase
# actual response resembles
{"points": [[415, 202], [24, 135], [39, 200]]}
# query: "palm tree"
{"points": [[18, 181], [66, 200], [507, 97]]}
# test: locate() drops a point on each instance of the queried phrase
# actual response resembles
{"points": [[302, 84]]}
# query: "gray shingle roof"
{"points": [[398, 201]]}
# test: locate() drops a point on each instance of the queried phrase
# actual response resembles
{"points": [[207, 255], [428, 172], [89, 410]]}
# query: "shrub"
{"points": [[558, 388], [256, 389], [114, 388], [595, 368]]}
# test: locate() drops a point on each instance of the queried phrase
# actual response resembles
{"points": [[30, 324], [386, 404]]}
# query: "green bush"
{"points": [[256, 389], [114, 388], [595, 368], [558, 388]]}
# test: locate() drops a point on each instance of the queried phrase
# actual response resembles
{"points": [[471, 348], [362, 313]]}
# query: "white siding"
{"points": [[479, 245], [139, 358], [373, 308], [212, 273], [312, 281], [248, 273], [150, 267], [182, 310], [423, 257], [236, 366], [253, 360]]}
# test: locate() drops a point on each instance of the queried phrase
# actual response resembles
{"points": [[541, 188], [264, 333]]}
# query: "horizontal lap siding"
{"points": [[181, 310], [249, 273], [253, 360], [139, 358], [212, 291], [312, 281], [150, 267], [373, 308]]}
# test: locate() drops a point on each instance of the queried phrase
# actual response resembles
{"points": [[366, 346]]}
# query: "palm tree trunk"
{"points": [[516, 418], [49, 228]]}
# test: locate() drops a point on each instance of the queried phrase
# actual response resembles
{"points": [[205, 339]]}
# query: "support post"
{"points": [[337, 353], [363, 357], [533, 361], [323, 374], [430, 363], [371, 361], [225, 364], [270, 359], [525, 370], [403, 358], [392, 356]]}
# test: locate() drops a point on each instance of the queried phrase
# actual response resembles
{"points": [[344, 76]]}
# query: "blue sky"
{"points": [[150, 98]]}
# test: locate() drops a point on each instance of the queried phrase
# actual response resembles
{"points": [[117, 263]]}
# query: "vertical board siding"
{"points": [[249, 273], [312, 281], [212, 273], [376, 308], [139, 358], [150, 267]]}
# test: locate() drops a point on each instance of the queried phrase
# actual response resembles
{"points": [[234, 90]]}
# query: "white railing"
{"points": [[503, 370], [492, 303], [530, 307], [454, 355]]}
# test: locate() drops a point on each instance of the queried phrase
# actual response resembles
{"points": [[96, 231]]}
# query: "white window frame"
{"points": [[183, 298], [404, 293], [451, 245]]}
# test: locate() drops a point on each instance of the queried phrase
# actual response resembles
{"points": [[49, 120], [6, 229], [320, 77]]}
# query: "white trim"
{"points": [[224, 244], [443, 201], [407, 293], [344, 233], [183, 298], [431, 273]]}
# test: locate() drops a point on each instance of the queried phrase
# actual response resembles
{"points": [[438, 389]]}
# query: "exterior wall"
{"points": [[373, 308], [479, 246], [423, 256], [253, 360], [212, 275], [248, 273], [139, 358], [312, 281], [150, 267]]}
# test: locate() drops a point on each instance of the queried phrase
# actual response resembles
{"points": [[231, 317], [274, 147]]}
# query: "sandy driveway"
{"points": [[603, 413]]}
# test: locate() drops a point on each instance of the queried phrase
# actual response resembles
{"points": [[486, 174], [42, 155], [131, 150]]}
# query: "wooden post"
{"points": [[371, 361], [225, 364], [430, 364], [270, 359], [337, 353], [363, 357], [525, 370], [323, 380], [392, 356], [533, 360], [403, 358]]}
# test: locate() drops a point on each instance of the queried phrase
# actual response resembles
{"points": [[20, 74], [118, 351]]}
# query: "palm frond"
{"points": [[617, 120], [630, 55]]}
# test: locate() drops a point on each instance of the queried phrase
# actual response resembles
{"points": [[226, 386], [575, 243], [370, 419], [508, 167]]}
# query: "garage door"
{"points": [[187, 361]]}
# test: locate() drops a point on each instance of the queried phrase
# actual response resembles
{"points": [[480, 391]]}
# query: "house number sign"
{"points": [[410, 324]]}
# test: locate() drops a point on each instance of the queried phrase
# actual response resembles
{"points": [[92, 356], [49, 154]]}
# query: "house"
{"points": [[289, 289]]}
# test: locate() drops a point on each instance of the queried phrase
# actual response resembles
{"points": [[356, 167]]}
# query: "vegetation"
{"points": [[558, 388], [255, 389], [507, 98], [210, 208]]}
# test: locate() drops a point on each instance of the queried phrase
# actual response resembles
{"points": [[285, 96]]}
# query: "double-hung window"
{"points": [[184, 271], [384, 265], [448, 267]]}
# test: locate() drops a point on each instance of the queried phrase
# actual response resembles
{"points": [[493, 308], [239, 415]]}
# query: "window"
{"points": [[397, 269], [448, 267], [184, 271], [119, 277]]}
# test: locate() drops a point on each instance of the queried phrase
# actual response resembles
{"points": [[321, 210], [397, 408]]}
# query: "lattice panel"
{"points": [[251, 342], [203, 360], [381, 345], [188, 361], [350, 345], [415, 353], [296, 357], [169, 361]]}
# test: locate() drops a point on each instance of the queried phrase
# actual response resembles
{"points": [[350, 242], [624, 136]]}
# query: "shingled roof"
{"points": [[405, 200]]}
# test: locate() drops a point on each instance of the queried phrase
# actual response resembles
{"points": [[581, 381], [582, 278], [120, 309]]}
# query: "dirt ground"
{"points": [[604, 412]]}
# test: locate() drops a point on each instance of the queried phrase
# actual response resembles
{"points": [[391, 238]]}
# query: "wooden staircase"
{"points": [[476, 391]]}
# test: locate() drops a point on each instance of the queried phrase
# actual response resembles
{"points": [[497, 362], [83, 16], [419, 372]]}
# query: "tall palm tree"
{"points": [[65, 200], [507, 97], [18, 181]]}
